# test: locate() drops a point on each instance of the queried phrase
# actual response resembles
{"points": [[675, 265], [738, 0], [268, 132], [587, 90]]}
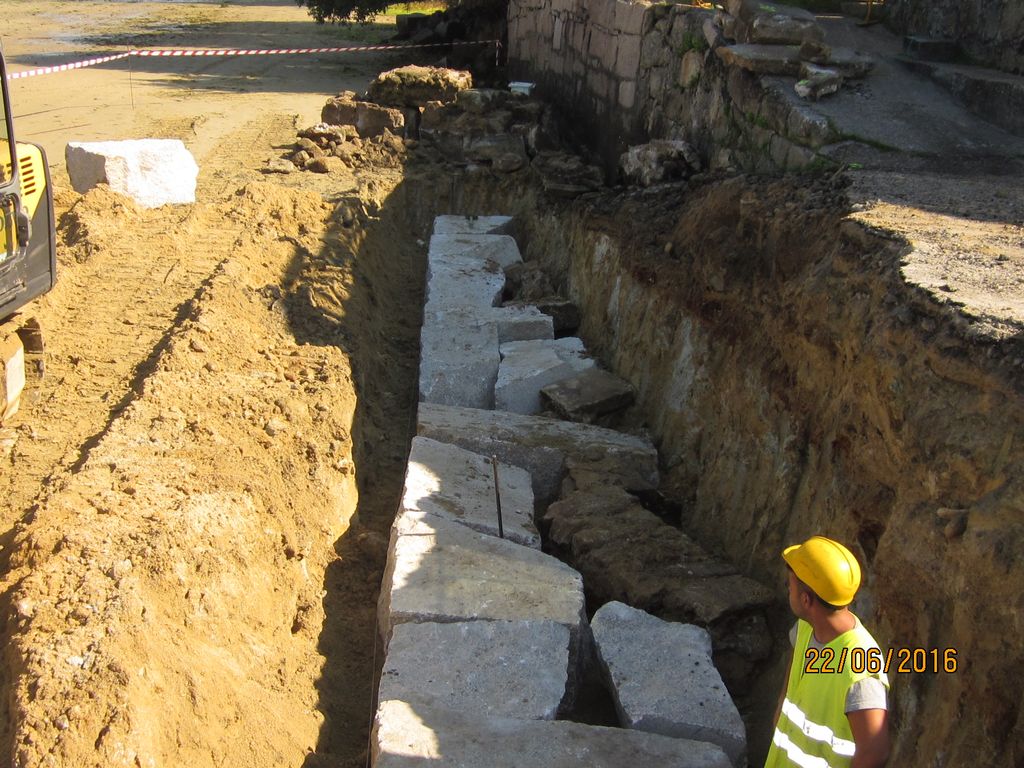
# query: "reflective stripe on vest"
{"points": [[816, 731], [796, 755]]}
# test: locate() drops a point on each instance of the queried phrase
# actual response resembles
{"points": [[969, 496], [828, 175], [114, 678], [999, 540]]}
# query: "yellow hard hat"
{"points": [[827, 567]]}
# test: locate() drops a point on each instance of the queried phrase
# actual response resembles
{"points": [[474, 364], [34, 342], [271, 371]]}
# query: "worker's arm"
{"points": [[871, 735], [785, 687]]}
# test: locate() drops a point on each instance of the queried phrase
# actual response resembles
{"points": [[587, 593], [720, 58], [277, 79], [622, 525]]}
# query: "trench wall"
{"points": [[627, 72], [794, 384]]}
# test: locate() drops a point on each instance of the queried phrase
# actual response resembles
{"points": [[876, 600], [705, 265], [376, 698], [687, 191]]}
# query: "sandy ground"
{"points": [[189, 556]]}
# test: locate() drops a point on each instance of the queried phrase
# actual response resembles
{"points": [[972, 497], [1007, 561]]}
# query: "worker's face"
{"points": [[798, 602]]}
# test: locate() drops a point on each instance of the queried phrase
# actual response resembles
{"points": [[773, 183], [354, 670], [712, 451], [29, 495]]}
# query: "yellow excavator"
{"points": [[28, 256]]}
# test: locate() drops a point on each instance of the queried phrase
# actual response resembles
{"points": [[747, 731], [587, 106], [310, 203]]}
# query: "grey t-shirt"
{"points": [[867, 693]]}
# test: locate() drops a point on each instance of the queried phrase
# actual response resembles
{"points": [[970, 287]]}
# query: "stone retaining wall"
{"points": [[629, 72]]}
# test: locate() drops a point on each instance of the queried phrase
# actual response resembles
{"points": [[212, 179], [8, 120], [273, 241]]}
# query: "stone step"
{"points": [[762, 59], [528, 366], [547, 448], [663, 680], [473, 225], [588, 395], [407, 736], [501, 249], [493, 668], [444, 572], [458, 486]]}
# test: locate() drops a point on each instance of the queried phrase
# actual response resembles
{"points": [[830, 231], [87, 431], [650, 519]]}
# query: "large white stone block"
{"points": [[663, 679], [458, 359], [455, 282], [501, 249], [544, 447], [410, 736], [444, 572], [473, 225], [458, 485], [495, 668], [529, 366], [152, 172]]}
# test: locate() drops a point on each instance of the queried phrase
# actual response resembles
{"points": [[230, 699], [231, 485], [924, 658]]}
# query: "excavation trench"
{"points": [[203, 588]]}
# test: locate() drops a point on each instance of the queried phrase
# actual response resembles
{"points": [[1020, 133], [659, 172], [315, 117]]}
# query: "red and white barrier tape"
{"points": [[66, 67], [185, 52]]}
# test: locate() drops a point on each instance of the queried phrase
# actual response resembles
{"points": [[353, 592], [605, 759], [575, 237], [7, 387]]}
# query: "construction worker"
{"points": [[833, 709]]}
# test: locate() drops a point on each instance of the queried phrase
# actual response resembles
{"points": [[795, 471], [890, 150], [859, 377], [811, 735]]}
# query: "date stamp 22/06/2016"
{"points": [[874, 660]]}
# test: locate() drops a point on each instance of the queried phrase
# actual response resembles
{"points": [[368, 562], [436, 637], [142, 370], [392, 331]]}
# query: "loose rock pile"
{"points": [[487, 637], [475, 128]]}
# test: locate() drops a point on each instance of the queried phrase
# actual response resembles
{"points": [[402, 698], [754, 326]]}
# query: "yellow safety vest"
{"points": [[813, 731]]}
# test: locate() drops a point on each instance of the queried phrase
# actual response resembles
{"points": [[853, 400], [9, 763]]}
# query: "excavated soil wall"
{"points": [[795, 384]]}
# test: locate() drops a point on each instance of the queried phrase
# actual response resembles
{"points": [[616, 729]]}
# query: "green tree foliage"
{"points": [[344, 10]]}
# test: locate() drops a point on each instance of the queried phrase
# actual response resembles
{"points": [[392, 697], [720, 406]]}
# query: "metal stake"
{"points": [[497, 497]]}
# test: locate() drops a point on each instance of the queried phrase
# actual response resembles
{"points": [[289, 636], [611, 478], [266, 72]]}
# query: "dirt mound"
{"points": [[90, 221]]}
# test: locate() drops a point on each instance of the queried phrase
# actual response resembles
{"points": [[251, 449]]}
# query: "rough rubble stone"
{"points": [[657, 161], [152, 172], [528, 366], [340, 110], [564, 314], [473, 225], [492, 668], [479, 100], [405, 736], [817, 81], [663, 679], [368, 119], [491, 147], [458, 485], [662, 571], [444, 572], [458, 359], [501, 249], [414, 86], [544, 447], [588, 395], [762, 59]]}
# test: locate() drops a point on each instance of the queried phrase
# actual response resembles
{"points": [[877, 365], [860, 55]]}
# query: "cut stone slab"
{"points": [[817, 81], [444, 572], [528, 366], [789, 26], [762, 59], [493, 668], [564, 314], [456, 282], [152, 172], [498, 248], [544, 447], [458, 485], [521, 323], [663, 680], [407, 736], [473, 225], [458, 359], [588, 395]]}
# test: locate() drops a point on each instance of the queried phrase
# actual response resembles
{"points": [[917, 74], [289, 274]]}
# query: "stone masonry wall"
{"points": [[584, 55], [626, 73], [990, 31]]}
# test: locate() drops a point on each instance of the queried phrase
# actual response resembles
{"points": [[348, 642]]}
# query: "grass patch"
{"points": [[420, 7]]}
